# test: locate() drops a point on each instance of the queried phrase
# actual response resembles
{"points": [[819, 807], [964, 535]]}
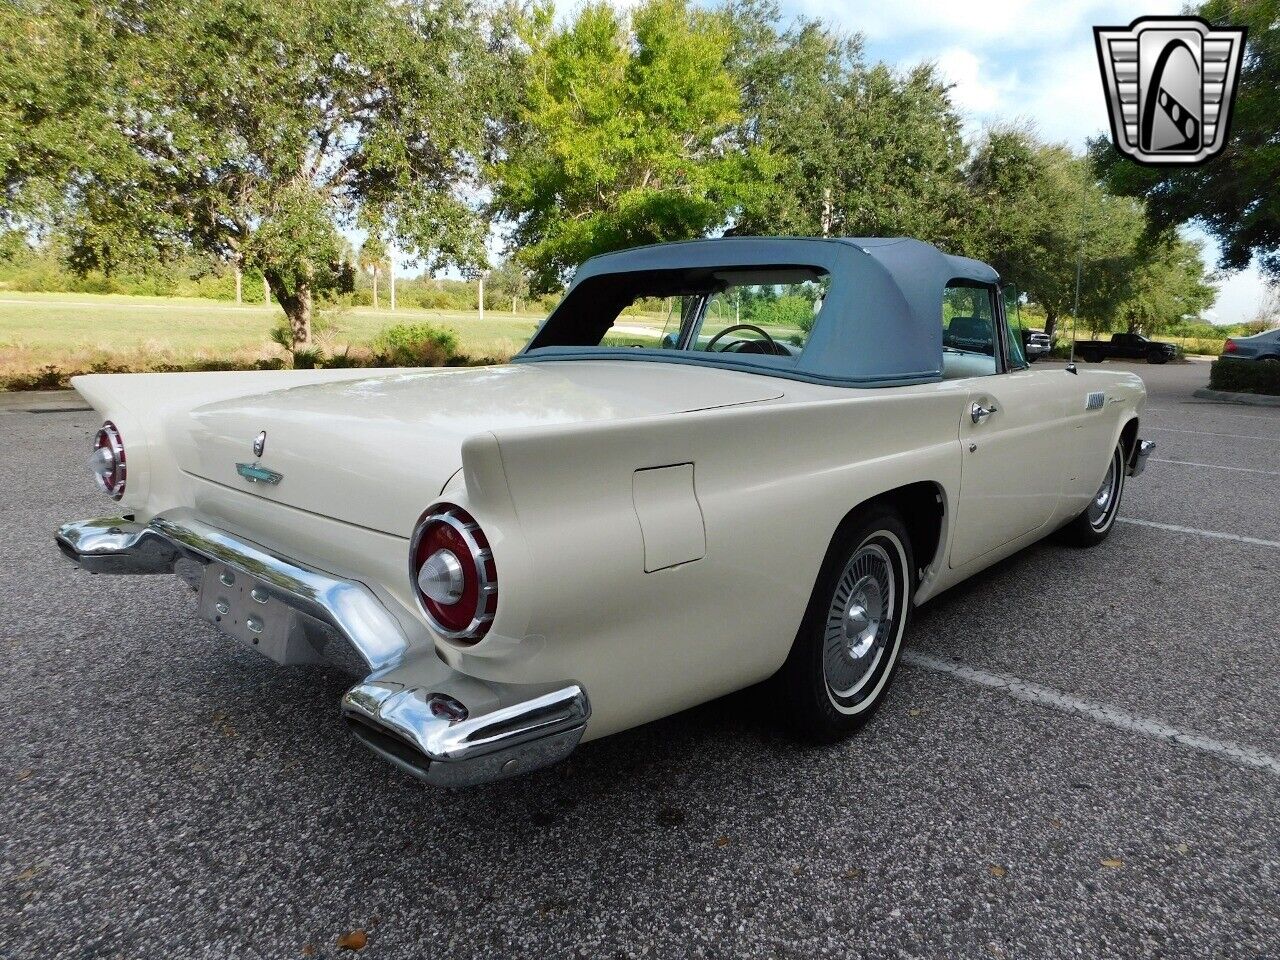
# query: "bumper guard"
{"points": [[1138, 458]]}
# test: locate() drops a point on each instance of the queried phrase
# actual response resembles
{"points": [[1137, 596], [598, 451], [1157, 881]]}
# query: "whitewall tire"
{"points": [[845, 654]]}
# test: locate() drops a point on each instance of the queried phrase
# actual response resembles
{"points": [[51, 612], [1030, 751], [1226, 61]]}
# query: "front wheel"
{"points": [[1096, 520], [845, 654]]}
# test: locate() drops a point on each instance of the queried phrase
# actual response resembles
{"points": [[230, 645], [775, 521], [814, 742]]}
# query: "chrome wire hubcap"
{"points": [[1104, 500], [860, 620]]}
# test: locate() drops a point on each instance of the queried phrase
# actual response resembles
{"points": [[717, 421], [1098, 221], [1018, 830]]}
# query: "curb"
{"points": [[1248, 399], [41, 401]]}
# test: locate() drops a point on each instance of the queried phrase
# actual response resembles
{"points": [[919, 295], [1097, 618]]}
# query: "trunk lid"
{"points": [[376, 452]]}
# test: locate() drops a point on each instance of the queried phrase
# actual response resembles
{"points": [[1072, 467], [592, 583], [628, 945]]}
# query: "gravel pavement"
{"points": [[166, 794]]}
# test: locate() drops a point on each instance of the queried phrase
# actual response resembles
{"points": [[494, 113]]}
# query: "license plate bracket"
{"points": [[245, 608]]}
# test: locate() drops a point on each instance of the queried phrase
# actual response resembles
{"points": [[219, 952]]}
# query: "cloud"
{"points": [[1062, 95], [1059, 94], [1011, 23], [975, 86]]}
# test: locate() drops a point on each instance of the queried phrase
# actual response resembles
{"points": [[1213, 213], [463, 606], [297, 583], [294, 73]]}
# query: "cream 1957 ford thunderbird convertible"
{"points": [[614, 526]]}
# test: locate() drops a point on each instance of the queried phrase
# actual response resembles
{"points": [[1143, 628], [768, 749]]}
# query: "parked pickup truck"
{"points": [[1035, 344], [1126, 346]]}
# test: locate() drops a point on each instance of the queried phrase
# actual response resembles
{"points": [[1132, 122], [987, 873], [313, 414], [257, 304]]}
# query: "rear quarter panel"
{"points": [[772, 480]]}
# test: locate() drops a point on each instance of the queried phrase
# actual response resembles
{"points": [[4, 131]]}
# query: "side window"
{"points": [[1014, 333], [968, 330]]}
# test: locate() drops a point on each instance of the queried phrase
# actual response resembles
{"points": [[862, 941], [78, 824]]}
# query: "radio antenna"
{"points": [[1075, 312]]}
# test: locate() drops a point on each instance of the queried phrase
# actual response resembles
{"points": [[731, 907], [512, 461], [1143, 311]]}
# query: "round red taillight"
{"points": [[107, 461], [454, 577], [1229, 346]]}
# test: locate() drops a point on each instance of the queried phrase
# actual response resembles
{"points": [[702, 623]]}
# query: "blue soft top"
{"points": [[880, 325]]}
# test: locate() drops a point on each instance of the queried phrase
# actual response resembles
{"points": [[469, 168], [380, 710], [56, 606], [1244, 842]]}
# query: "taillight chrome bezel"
{"points": [[113, 483], [478, 563]]}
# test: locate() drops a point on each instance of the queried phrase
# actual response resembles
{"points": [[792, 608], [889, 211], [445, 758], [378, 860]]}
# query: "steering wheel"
{"points": [[773, 345]]}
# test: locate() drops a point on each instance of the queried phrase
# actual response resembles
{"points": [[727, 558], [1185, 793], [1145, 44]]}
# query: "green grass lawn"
{"points": [[52, 325], [77, 332]]}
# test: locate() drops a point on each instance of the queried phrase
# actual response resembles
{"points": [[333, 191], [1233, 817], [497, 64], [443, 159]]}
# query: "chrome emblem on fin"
{"points": [[259, 443]]}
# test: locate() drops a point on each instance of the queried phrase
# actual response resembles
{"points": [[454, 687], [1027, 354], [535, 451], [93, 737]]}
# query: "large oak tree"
{"points": [[858, 149], [623, 134], [253, 130]]}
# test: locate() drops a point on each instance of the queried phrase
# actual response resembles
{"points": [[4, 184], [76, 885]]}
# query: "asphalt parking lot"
{"points": [[1079, 759]]}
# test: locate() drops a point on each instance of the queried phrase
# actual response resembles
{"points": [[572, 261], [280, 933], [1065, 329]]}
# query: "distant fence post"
{"points": [[391, 277]]}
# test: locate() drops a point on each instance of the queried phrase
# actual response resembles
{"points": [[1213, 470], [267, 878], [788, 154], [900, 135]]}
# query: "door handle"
{"points": [[979, 413]]}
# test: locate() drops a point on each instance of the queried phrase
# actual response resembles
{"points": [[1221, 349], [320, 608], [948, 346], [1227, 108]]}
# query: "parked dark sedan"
{"points": [[1261, 346]]}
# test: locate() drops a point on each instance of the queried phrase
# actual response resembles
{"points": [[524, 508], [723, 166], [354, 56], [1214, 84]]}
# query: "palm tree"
{"points": [[373, 258]]}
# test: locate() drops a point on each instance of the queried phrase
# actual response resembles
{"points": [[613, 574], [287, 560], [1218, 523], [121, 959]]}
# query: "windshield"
{"points": [[767, 311]]}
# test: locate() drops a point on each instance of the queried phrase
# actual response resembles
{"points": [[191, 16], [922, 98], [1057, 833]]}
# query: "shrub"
{"points": [[1245, 376], [46, 378], [789, 311], [349, 360], [1061, 350], [308, 358], [431, 299], [1208, 346], [415, 345]]}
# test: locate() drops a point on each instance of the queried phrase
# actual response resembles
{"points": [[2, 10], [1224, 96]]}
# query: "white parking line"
{"points": [[1217, 466], [1273, 418], [1029, 692], [1212, 433], [1213, 534]]}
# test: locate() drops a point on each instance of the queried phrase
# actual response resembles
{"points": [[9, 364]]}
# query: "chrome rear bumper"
{"points": [[455, 731], [118, 545], [413, 709], [1138, 458]]}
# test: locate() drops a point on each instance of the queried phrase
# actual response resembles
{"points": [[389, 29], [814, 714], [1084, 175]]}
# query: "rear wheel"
{"points": [[846, 652], [1096, 520]]}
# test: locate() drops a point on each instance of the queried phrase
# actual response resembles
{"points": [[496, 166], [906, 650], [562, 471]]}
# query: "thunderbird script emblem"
{"points": [[1170, 84]]}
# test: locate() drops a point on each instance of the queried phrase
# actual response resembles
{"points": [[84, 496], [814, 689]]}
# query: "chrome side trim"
{"points": [[1138, 460], [116, 545], [348, 605], [410, 716]]}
